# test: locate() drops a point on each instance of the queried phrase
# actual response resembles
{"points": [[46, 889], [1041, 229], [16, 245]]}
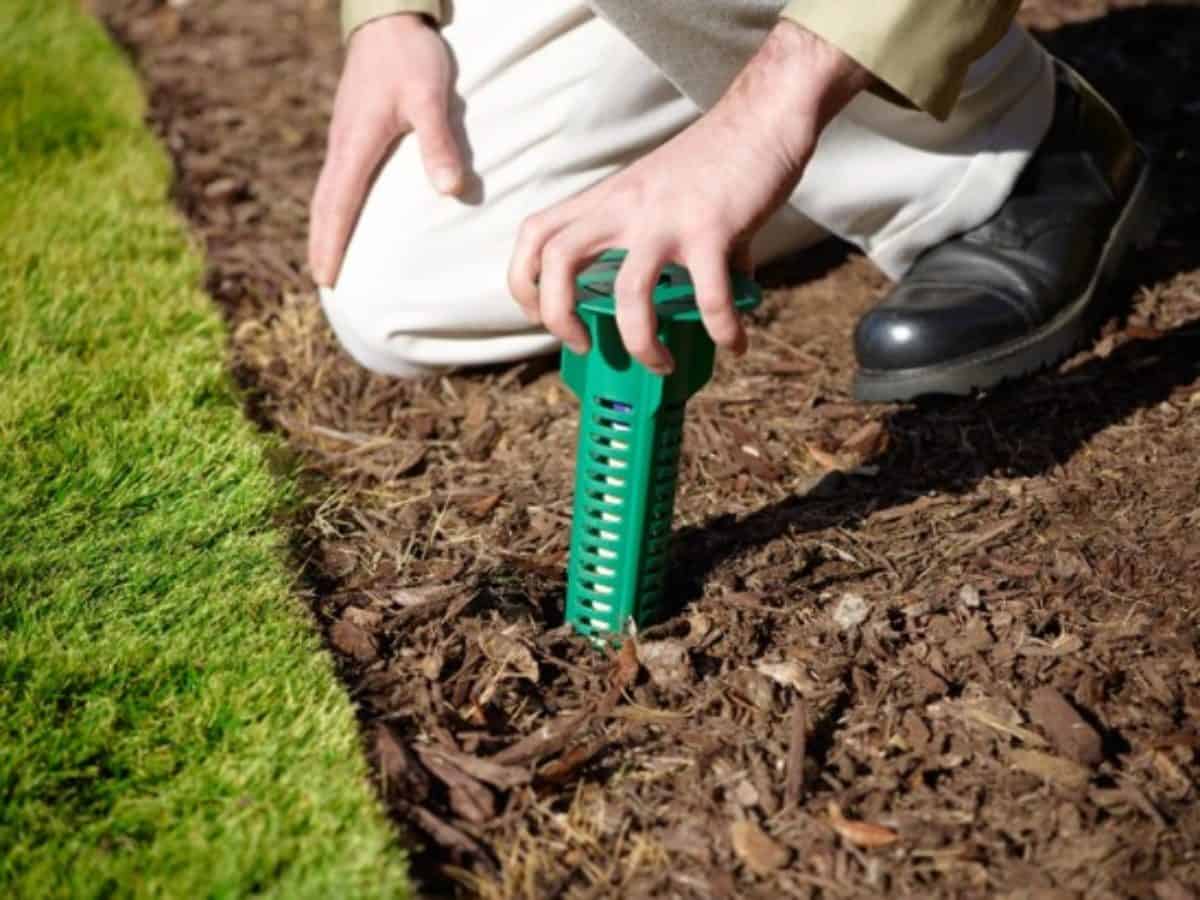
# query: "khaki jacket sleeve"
{"points": [[921, 49], [356, 13]]}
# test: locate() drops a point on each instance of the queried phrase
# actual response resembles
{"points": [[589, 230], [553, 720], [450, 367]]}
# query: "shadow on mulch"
{"points": [[1083, 401], [936, 652]]}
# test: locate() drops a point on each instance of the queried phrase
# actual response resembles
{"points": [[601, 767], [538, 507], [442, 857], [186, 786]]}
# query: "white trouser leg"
{"points": [[895, 182], [555, 100]]}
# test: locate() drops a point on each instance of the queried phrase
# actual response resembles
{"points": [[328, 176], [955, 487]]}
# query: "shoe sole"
{"points": [[1058, 339]]}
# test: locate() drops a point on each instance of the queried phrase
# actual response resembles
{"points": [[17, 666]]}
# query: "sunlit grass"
{"points": [[170, 723]]}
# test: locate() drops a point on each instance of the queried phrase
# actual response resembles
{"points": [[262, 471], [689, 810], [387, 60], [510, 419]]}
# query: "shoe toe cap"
{"points": [[917, 327]]}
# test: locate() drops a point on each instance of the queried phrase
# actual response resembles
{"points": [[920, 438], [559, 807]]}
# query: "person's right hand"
{"points": [[398, 79]]}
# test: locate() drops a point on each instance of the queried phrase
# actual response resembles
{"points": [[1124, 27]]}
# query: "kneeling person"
{"points": [[993, 185]]}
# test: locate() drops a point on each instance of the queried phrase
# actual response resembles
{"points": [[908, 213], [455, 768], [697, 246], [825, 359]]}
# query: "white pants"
{"points": [[555, 99]]}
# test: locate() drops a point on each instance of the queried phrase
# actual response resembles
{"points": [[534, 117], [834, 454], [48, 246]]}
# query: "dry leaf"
{"points": [[667, 662], [509, 653], [1167, 768], [761, 853], [560, 770], [745, 794], [987, 536], [1051, 768], [447, 835], [353, 641], [222, 188], [823, 458], [861, 834], [754, 687], [366, 619], [404, 459], [482, 508], [1067, 644], [869, 441], [1072, 735], [699, 628], [484, 770], [478, 444], [553, 395], [399, 770], [788, 674], [469, 798], [478, 409], [626, 669], [1143, 333], [1170, 889], [968, 596], [419, 596], [431, 665], [994, 714], [1105, 346], [851, 611]]}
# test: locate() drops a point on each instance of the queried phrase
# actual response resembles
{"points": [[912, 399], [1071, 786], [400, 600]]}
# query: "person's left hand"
{"points": [[696, 201]]}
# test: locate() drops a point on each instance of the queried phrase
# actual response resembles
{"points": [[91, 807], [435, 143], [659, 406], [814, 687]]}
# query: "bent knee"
{"points": [[409, 346], [366, 339]]}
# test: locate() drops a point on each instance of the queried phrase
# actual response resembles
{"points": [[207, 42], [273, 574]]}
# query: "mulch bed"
{"points": [[948, 651]]}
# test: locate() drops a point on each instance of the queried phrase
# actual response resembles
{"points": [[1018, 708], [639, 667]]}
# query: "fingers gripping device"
{"points": [[628, 453]]}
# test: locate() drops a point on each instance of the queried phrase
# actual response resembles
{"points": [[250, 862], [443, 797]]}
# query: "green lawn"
{"points": [[170, 725]]}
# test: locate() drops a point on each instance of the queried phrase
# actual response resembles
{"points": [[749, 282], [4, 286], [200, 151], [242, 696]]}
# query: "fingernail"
{"points": [[663, 368], [446, 181], [578, 347]]}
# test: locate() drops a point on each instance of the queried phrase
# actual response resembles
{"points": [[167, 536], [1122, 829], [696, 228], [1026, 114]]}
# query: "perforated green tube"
{"points": [[630, 437]]}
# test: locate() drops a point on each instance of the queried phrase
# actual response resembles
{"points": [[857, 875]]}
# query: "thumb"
{"points": [[440, 151]]}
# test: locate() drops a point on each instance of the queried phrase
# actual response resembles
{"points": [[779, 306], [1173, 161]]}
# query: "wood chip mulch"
{"points": [[938, 652]]}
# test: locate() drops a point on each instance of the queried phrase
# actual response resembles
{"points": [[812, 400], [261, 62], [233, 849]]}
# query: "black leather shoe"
{"points": [[1026, 289]]}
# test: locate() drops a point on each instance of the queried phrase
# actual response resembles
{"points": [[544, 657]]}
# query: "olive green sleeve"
{"points": [[920, 49], [356, 13]]}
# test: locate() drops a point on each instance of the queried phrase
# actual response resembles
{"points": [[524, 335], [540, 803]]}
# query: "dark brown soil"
{"points": [[948, 651]]}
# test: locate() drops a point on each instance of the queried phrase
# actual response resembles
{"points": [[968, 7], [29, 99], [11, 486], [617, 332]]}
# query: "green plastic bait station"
{"points": [[630, 436]]}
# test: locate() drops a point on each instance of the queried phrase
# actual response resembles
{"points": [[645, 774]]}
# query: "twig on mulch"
{"points": [[794, 791], [554, 736]]}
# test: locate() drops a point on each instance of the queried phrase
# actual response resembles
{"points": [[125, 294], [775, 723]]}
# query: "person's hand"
{"points": [[697, 200], [398, 79]]}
